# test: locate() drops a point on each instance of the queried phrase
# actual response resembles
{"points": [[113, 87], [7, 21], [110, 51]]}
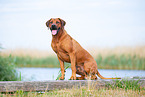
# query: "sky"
{"points": [[93, 23]]}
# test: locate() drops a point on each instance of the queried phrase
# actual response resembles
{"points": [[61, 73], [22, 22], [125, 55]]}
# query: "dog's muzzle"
{"points": [[54, 29]]}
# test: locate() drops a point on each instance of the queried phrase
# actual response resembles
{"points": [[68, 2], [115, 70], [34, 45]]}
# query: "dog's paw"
{"points": [[61, 78], [80, 78], [73, 78]]}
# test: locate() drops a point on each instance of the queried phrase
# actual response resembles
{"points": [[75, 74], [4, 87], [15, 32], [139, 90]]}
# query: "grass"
{"points": [[50, 62], [59, 73], [124, 88], [85, 92], [7, 70], [134, 62], [126, 85], [108, 62], [128, 60], [132, 58]]}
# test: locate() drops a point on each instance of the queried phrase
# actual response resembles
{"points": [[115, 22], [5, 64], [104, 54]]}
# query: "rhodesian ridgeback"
{"points": [[69, 50]]}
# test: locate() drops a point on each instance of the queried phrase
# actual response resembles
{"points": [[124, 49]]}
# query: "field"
{"points": [[125, 89], [132, 58], [82, 92], [106, 58]]}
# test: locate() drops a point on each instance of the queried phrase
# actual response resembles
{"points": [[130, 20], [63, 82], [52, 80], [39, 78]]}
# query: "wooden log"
{"points": [[11, 86]]}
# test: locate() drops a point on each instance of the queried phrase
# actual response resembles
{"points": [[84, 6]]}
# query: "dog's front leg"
{"points": [[73, 66], [62, 69]]}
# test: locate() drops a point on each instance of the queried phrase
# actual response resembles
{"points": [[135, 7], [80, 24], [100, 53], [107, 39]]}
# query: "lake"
{"points": [[41, 74]]}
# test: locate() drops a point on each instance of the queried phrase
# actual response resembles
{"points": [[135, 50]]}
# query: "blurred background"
{"points": [[112, 31], [100, 23]]}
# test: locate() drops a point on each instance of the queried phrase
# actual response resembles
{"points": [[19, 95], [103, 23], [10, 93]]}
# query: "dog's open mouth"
{"points": [[54, 32]]}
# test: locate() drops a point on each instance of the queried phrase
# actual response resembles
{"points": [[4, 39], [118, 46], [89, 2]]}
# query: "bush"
{"points": [[7, 69]]}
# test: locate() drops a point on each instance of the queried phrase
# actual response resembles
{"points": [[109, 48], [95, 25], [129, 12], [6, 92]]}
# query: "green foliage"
{"points": [[121, 62], [20, 92], [35, 62], [7, 69], [59, 73], [108, 62], [126, 84]]}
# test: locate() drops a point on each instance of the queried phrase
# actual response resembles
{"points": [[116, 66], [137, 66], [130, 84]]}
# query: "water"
{"points": [[41, 74]]}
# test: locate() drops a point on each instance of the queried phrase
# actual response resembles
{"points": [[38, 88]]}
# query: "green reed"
{"points": [[126, 84], [8, 70], [27, 61], [121, 62], [108, 62]]}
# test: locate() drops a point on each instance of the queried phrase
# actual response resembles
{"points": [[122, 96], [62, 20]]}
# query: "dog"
{"points": [[69, 50]]}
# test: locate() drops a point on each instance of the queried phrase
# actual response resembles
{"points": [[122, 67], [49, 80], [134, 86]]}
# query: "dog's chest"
{"points": [[61, 53], [56, 47]]}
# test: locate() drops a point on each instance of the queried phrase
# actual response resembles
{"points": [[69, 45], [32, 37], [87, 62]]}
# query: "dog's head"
{"points": [[55, 24]]}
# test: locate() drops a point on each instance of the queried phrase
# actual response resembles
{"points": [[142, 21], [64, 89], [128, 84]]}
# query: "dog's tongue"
{"points": [[54, 32]]}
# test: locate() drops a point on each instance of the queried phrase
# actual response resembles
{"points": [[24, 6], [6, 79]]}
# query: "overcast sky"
{"points": [[93, 23]]}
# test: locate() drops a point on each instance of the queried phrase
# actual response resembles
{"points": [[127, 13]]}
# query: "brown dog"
{"points": [[69, 50]]}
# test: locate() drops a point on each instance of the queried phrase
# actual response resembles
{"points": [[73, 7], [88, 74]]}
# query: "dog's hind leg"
{"points": [[93, 77], [80, 71], [80, 78], [91, 68]]}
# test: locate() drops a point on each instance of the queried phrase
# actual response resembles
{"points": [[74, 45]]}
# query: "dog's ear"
{"points": [[47, 23], [62, 22]]}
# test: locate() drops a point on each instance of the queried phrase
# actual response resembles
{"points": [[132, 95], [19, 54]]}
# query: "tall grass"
{"points": [[108, 62], [36, 62], [126, 84], [59, 73], [115, 58], [121, 62], [7, 70], [127, 89]]}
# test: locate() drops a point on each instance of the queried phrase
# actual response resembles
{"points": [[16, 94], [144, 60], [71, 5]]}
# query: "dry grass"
{"points": [[137, 50], [106, 58], [33, 53], [90, 90], [82, 92]]}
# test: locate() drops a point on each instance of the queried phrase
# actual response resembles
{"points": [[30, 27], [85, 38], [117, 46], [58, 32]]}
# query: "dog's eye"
{"points": [[51, 22], [57, 22]]}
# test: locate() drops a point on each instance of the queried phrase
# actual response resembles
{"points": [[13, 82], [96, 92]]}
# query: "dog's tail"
{"points": [[104, 77]]}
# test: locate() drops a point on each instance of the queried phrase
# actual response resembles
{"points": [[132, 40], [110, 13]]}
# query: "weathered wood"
{"points": [[11, 86]]}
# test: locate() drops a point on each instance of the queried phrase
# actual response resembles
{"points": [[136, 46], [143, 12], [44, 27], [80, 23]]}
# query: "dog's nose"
{"points": [[53, 25]]}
